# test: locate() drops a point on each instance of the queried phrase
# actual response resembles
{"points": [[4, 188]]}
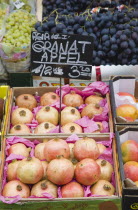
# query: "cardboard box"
{"points": [[96, 203], [127, 84], [40, 91], [129, 190]]}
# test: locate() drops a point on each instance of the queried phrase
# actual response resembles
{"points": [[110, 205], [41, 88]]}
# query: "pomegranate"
{"points": [[93, 99], [86, 148], [91, 110], [102, 148], [21, 116], [44, 128], [47, 114], [14, 188], [26, 101], [48, 99], [87, 171], [44, 186], [106, 169], [20, 129], [19, 149], [12, 170], [103, 187], [44, 164], [100, 126], [72, 128], [30, 170], [56, 147], [60, 171], [69, 114], [72, 190], [71, 147], [39, 151], [73, 99]]}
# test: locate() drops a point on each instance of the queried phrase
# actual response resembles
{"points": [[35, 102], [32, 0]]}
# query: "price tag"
{"points": [[18, 4]]}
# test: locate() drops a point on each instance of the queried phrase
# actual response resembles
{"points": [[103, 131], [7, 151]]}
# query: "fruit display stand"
{"points": [[129, 188], [127, 85], [95, 202]]}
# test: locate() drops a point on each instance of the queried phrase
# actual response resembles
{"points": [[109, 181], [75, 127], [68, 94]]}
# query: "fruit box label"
{"points": [[18, 4], [59, 55]]}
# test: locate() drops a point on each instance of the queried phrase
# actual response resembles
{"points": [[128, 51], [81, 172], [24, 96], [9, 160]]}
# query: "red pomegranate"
{"points": [[44, 186], [12, 170], [19, 149], [26, 101], [69, 114], [39, 151], [87, 171], [56, 147], [86, 148], [47, 114], [93, 99], [60, 171], [21, 116], [73, 99], [48, 99], [72, 190], [91, 110], [44, 128], [30, 170], [72, 128], [20, 129], [14, 188]]}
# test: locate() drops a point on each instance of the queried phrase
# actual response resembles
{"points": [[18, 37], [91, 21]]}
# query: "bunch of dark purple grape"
{"points": [[115, 33]]}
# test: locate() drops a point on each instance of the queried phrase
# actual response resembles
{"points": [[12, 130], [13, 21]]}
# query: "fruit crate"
{"points": [[40, 91], [103, 202], [129, 189], [4, 94], [127, 84]]}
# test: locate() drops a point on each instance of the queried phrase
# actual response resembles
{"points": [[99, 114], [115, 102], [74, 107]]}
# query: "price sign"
{"points": [[18, 4], [59, 55]]}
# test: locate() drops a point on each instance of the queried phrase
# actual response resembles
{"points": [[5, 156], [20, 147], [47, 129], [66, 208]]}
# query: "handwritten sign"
{"points": [[59, 55]]}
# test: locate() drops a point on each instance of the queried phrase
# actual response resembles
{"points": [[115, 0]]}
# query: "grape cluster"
{"points": [[66, 7], [115, 33], [19, 25]]}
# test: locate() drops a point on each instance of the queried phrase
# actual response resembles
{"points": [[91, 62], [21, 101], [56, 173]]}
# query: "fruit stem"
{"points": [[72, 111], [17, 127], [43, 185], [106, 187], [53, 97], [97, 106], [19, 187], [22, 113], [25, 97], [72, 92], [46, 125], [103, 162], [72, 128], [47, 108], [29, 158]]}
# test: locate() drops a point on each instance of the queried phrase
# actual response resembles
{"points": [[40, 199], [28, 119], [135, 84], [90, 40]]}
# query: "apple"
{"points": [[127, 111], [129, 151], [131, 170]]}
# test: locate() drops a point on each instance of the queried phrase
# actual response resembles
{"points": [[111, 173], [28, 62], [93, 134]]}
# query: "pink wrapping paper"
{"points": [[98, 86], [14, 199]]}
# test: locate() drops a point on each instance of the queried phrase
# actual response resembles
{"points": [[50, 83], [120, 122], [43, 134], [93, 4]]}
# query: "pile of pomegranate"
{"points": [[82, 112], [56, 168]]}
